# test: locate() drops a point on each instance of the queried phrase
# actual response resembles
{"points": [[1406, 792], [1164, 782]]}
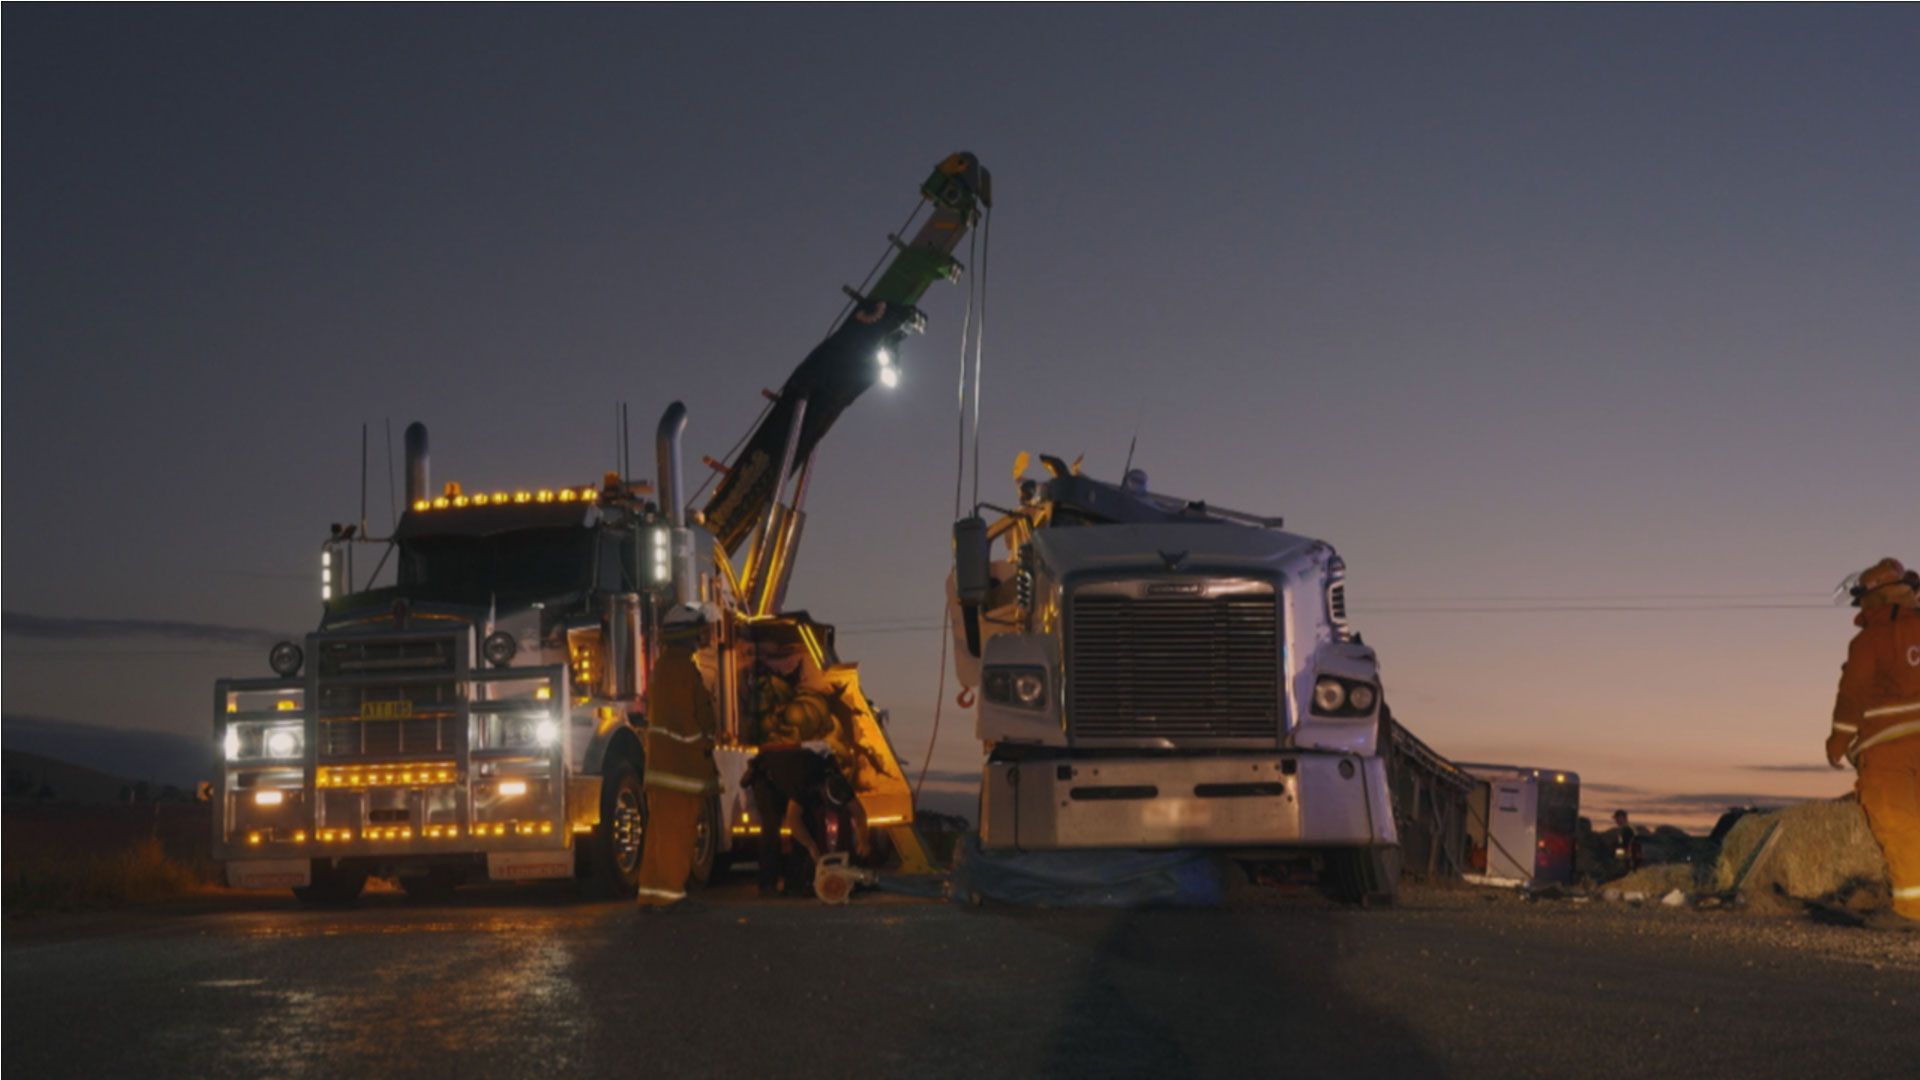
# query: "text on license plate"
{"points": [[386, 710]]}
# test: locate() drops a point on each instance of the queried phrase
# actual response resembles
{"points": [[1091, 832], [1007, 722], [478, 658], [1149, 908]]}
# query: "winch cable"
{"points": [[896, 238], [737, 444], [979, 338], [969, 333]]}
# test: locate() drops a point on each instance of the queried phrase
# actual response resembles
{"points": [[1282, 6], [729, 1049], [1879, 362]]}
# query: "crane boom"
{"points": [[843, 366]]}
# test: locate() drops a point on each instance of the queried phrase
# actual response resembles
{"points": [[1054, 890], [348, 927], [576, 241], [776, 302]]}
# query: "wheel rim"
{"points": [[702, 840], [629, 828]]}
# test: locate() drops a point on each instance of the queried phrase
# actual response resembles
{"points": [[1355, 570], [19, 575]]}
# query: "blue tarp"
{"points": [[1115, 879]]}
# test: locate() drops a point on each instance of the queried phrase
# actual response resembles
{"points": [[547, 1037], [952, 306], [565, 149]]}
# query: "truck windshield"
{"points": [[526, 565]]}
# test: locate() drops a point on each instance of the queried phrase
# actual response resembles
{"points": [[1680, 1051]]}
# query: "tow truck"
{"points": [[481, 716]]}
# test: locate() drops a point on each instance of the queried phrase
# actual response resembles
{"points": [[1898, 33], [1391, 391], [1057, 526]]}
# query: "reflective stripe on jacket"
{"points": [[1879, 697], [680, 727]]}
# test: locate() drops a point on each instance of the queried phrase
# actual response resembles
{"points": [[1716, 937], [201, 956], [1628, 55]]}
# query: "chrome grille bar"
{"points": [[1174, 660]]}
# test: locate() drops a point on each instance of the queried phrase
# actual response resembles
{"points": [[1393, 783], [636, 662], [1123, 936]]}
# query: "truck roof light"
{"points": [[422, 505], [567, 495]]}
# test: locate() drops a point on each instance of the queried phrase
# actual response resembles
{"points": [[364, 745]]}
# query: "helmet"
{"points": [[1882, 583]]}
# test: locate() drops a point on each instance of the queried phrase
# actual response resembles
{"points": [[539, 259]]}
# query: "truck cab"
{"points": [[1154, 672]]}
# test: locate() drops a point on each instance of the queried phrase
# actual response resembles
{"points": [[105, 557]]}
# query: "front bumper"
{"points": [[1251, 801], [436, 787]]}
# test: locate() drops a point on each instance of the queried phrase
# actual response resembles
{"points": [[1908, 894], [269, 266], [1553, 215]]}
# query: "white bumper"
{"points": [[1271, 800]]}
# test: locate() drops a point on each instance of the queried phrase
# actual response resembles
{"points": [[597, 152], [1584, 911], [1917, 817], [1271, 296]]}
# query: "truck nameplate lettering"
{"points": [[386, 710]]}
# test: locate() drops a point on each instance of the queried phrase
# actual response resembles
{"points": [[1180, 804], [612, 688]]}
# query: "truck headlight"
{"points": [[231, 744], [1020, 687], [1334, 696], [285, 659], [499, 648], [1328, 696], [526, 731], [284, 742]]}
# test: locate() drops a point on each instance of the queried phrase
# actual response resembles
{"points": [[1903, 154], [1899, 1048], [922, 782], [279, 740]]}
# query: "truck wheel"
{"points": [[332, 886], [1366, 877], [706, 846], [621, 835]]}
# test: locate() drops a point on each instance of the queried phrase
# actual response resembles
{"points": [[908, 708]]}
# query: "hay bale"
{"points": [[1824, 851], [1658, 880]]}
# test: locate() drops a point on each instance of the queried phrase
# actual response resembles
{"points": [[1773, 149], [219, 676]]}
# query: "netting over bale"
{"points": [[1823, 851]]}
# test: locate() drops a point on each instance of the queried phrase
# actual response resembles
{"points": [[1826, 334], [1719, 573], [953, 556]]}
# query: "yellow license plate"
{"points": [[386, 710]]}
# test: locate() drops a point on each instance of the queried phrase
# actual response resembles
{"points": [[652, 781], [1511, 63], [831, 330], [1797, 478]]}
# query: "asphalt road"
{"points": [[529, 981]]}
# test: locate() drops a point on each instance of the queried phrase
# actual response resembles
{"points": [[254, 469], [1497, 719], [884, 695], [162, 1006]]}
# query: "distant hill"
{"points": [[153, 756], [33, 776]]}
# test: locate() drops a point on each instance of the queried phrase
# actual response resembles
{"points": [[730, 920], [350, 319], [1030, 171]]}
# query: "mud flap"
{"points": [[270, 873], [529, 865]]}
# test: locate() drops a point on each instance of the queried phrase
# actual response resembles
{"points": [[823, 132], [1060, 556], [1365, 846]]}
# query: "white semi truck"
{"points": [[1154, 672]]}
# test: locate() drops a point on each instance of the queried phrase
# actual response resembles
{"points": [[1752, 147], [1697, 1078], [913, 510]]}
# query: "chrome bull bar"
{"points": [[492, 778]]}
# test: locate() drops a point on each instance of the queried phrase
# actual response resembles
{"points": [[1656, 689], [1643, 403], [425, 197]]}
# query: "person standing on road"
{"points": [[1876, 718], [1626, 845], [680, 774]]}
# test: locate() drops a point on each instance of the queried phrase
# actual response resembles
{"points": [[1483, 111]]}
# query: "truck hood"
{"points": [[1185, 548], [375, 611]]}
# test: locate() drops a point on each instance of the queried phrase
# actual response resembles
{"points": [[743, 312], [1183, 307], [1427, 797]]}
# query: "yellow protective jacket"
{"points": [[1879, 698], [680, 727]]}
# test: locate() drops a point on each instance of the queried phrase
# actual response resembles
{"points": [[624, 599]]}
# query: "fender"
{"points": [[618, 742]]}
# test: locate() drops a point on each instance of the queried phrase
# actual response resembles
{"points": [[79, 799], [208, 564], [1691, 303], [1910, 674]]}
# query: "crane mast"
{"points": [[760, 495]]}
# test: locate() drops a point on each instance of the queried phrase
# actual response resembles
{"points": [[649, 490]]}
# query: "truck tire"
{"points": [[332, 886], [706, 846], [1367, 877], [618, 840]]}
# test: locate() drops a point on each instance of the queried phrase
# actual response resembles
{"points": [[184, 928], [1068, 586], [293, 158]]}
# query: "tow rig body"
{"points": [[483, 715]]}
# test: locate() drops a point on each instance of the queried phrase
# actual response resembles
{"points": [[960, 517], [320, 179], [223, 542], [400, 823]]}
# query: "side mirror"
{"points": [[972, 574], [972, 561]]}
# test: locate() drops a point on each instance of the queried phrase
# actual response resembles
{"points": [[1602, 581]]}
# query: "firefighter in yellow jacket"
{"points": [[680, 774], [1876, 719]]}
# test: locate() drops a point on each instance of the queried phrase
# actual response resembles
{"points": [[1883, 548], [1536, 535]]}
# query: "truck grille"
{"points": [[1191, 667], [422, 715]]}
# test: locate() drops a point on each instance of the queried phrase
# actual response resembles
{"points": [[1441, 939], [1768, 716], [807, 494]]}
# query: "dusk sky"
{"points": [[1588, 337]]}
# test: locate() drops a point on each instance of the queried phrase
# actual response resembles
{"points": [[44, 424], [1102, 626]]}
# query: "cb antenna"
{"points": [[1133, 442], [363, 478]]}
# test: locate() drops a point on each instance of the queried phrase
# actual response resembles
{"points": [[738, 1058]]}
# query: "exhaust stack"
{"points": [[419, 483], [666, 448]]}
